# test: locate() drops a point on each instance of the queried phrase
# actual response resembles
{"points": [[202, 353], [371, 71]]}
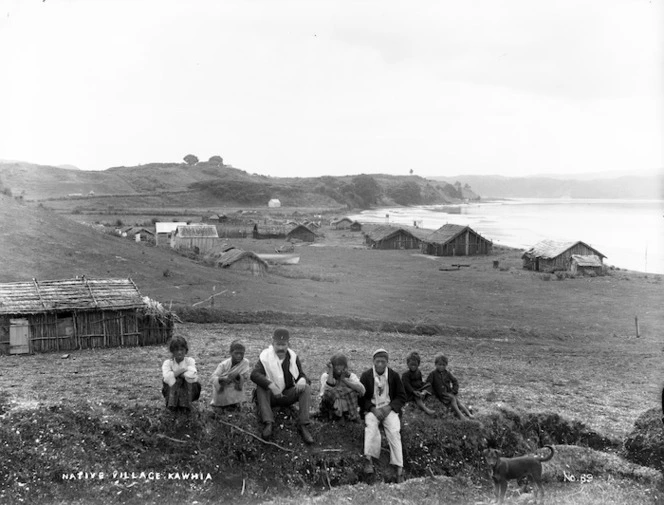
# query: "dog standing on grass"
{"points": [[504, 469]]}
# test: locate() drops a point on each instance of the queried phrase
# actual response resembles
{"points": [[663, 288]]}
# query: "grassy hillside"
{"points": [[212, 183]]}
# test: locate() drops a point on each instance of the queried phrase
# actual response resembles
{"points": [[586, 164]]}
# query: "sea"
{"points": [[629, 232]]}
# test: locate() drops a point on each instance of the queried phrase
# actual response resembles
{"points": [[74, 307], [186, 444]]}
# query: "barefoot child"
{"points": [[340, 390], [446, 387], [180, 386], [416, 389], [229, 378]]}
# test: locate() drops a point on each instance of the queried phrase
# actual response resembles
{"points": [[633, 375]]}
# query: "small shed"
{"points": [[456, 240], [590, 264], [199, 238], [551, 255], [390, 237], [210, 218], [80, 313], [164, 230], [356, 226], [343, 224], [301, 232], [274, 202], [237, 259]]}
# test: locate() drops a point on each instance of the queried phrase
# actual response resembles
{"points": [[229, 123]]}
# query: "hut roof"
{"points": [[70, 294], [380, 232], [226, 259], [303, 227], [549, 249], [133, 230], [342, 220], [446, 233], [383, 232], [589, 260], [197, 230]]}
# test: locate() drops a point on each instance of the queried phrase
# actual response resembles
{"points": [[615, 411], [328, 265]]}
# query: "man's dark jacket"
{"points": [[396, 390]]}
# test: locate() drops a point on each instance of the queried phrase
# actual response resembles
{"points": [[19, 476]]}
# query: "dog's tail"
{"points": [[550, 454]]}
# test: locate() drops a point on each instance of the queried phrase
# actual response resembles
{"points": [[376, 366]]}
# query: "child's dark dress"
{"points": [[443, 382], [412, 381]]}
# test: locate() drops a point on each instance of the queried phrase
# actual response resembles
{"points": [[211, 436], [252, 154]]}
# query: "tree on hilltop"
{"points": [[190, 159], [367, 189], [216, 158]]}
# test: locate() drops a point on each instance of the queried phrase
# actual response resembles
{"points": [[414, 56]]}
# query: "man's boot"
{"points": [[306, 436], [267, 431]]}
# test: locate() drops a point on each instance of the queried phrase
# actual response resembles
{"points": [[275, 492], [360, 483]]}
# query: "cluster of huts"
{"points": [[80, 313], [448, 240], [458, 240]]}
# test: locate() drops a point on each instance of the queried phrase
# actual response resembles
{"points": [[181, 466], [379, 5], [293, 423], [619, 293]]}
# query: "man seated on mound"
{"points": [[381, 404], [280, 382], [340, 391]]}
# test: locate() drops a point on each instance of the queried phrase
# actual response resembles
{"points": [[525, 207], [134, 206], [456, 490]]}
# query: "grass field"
{"points": [[525, 346]]}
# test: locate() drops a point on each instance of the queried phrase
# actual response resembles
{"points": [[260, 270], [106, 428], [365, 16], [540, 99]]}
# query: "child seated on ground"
{"points": [[229, 378], [340, 391], [180, 386], [416, 389], [446, 388]]}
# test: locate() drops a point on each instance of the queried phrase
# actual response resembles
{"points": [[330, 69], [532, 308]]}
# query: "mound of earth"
{"points": [[645, 444]]}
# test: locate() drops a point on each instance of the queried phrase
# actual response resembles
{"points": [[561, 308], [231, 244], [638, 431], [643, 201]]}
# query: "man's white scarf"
{"points": [[273, 370], [381, 389]]}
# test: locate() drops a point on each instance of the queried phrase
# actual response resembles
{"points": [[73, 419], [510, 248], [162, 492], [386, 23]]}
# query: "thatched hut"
{"points": [[390, 237], [301, 232], [199, 238], [356, 226], [456, 240], [551, 255], [81, 313], [342, 224], [237, 259]]}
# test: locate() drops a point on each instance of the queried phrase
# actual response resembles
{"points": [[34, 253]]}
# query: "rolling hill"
{"points": [[209, 183]]}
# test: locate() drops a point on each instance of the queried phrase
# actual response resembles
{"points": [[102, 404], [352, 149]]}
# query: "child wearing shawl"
{"points": [[229, 378], [340, 391]]}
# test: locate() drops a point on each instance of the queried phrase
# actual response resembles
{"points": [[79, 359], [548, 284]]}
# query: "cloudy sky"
{"points": [[516, 87]]}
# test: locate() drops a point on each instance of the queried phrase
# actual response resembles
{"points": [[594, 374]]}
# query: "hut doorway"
{"points": [[19, 336]]}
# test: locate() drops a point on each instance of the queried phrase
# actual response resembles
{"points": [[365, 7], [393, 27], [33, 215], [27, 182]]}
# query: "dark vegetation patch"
{"points": [[42, 444], [204, 315]]}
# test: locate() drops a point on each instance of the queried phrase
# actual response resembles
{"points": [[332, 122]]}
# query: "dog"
{"points": [[504, 469]]}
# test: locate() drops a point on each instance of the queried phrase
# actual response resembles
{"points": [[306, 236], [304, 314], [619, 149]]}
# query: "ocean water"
{"points": [[629, 232]]}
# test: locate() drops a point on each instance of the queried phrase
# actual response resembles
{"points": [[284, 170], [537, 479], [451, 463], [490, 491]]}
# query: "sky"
{"points": [[308, 88]]}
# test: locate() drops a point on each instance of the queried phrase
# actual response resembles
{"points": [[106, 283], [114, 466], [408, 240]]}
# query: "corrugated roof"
{"points": [[166, 227], [196, 230], [445, 233], [70, 294], [587, 260], [549, 249]]}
